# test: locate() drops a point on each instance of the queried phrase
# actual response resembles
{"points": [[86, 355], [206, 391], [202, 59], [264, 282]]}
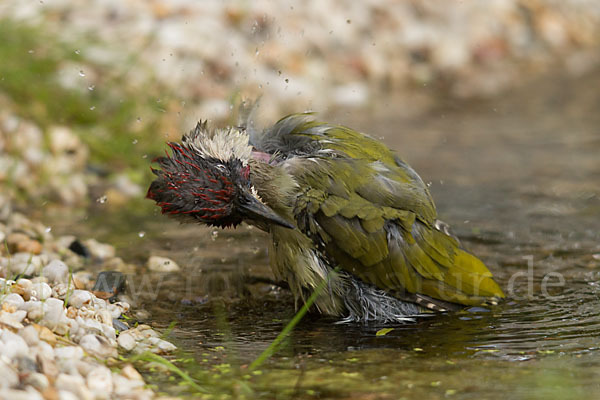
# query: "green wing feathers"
{"points": [[374, 215]]}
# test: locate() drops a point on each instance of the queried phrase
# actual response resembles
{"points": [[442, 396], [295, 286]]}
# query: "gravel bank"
{"points": [[58, 335]]}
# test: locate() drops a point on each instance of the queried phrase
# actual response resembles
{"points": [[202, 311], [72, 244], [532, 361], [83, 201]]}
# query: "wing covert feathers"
{"points": [[373, 215]]}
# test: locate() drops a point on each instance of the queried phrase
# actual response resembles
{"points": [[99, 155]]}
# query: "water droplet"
{"points": [[77, 51], [48, 229], [81, 73], [102, 199], [145, 156], [31, 51], [135, 141], [141, 234], [287, 80], [91, 87], [348, 21], [429, 184], [139, 119], [92, 108], [214, 235]]}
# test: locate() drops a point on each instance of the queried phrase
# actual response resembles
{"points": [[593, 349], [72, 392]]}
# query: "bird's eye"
{"points": [[221, 168]]}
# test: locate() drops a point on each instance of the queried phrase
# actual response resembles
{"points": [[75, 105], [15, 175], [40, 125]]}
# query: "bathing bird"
{"points": [[344, 213]]}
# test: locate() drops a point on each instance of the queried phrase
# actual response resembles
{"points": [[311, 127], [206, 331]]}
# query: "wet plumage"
{"points": [[356, 206]]}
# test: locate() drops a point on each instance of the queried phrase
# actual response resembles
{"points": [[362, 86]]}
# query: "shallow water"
{"points": [[517, 177]]}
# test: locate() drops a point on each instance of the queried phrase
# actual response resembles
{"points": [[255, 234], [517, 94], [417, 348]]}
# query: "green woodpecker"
{"points": [[339, 206]]}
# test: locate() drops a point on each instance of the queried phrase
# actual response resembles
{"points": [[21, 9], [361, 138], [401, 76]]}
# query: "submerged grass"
{"points": [[227, 378]]}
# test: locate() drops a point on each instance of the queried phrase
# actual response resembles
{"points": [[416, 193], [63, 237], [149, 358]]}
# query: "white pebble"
{"points": [[100, 250], [162, 264], [14, 345], [115, 311], [80, 297], [9, 376], [28, 394], [37, 380], [69, 352], [25, 263], [89, 325], [54, 315], [97, 345], [124, 386], [12, 320], [56, 271], [126, 341], [13, 299], [99, 381], [40, 290], [74, 384], [35, 309], [30, 335], [66, 395]]}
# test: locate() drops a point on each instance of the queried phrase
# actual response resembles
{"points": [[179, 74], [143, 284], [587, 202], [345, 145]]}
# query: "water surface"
{"points": [[517, 177]]}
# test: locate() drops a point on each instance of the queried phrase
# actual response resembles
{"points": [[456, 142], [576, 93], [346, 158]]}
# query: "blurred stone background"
{"points": [[89, 91]]}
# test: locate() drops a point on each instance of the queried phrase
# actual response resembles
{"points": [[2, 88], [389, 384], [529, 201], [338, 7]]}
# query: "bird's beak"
{"points": [[253, 208]]}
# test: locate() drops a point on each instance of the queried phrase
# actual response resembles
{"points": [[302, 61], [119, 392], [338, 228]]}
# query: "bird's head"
{"points": [[206, 179]]}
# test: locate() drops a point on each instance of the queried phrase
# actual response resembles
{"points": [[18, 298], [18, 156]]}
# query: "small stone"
{"points": [[65, 395], [98, 346], [9, 308], [99, 250], [13, 345], [54, 315], [119, 325], [9, 376], [125, 387], [14, 299], [41, 291], [23, 288], [162, 264], [47, 365], [28, 394], [126, 341], [25, 263], [159, 345], [90, 325], [82, 280], [60, 290], [69, 352], [131, 373], [77, 247], [80, 297], [56, 272], [21, 243], [45, 334], [12, 320], [142, 315], [30, 335], [35, 310], [74, 384], [37, 380], [99, 381]]}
